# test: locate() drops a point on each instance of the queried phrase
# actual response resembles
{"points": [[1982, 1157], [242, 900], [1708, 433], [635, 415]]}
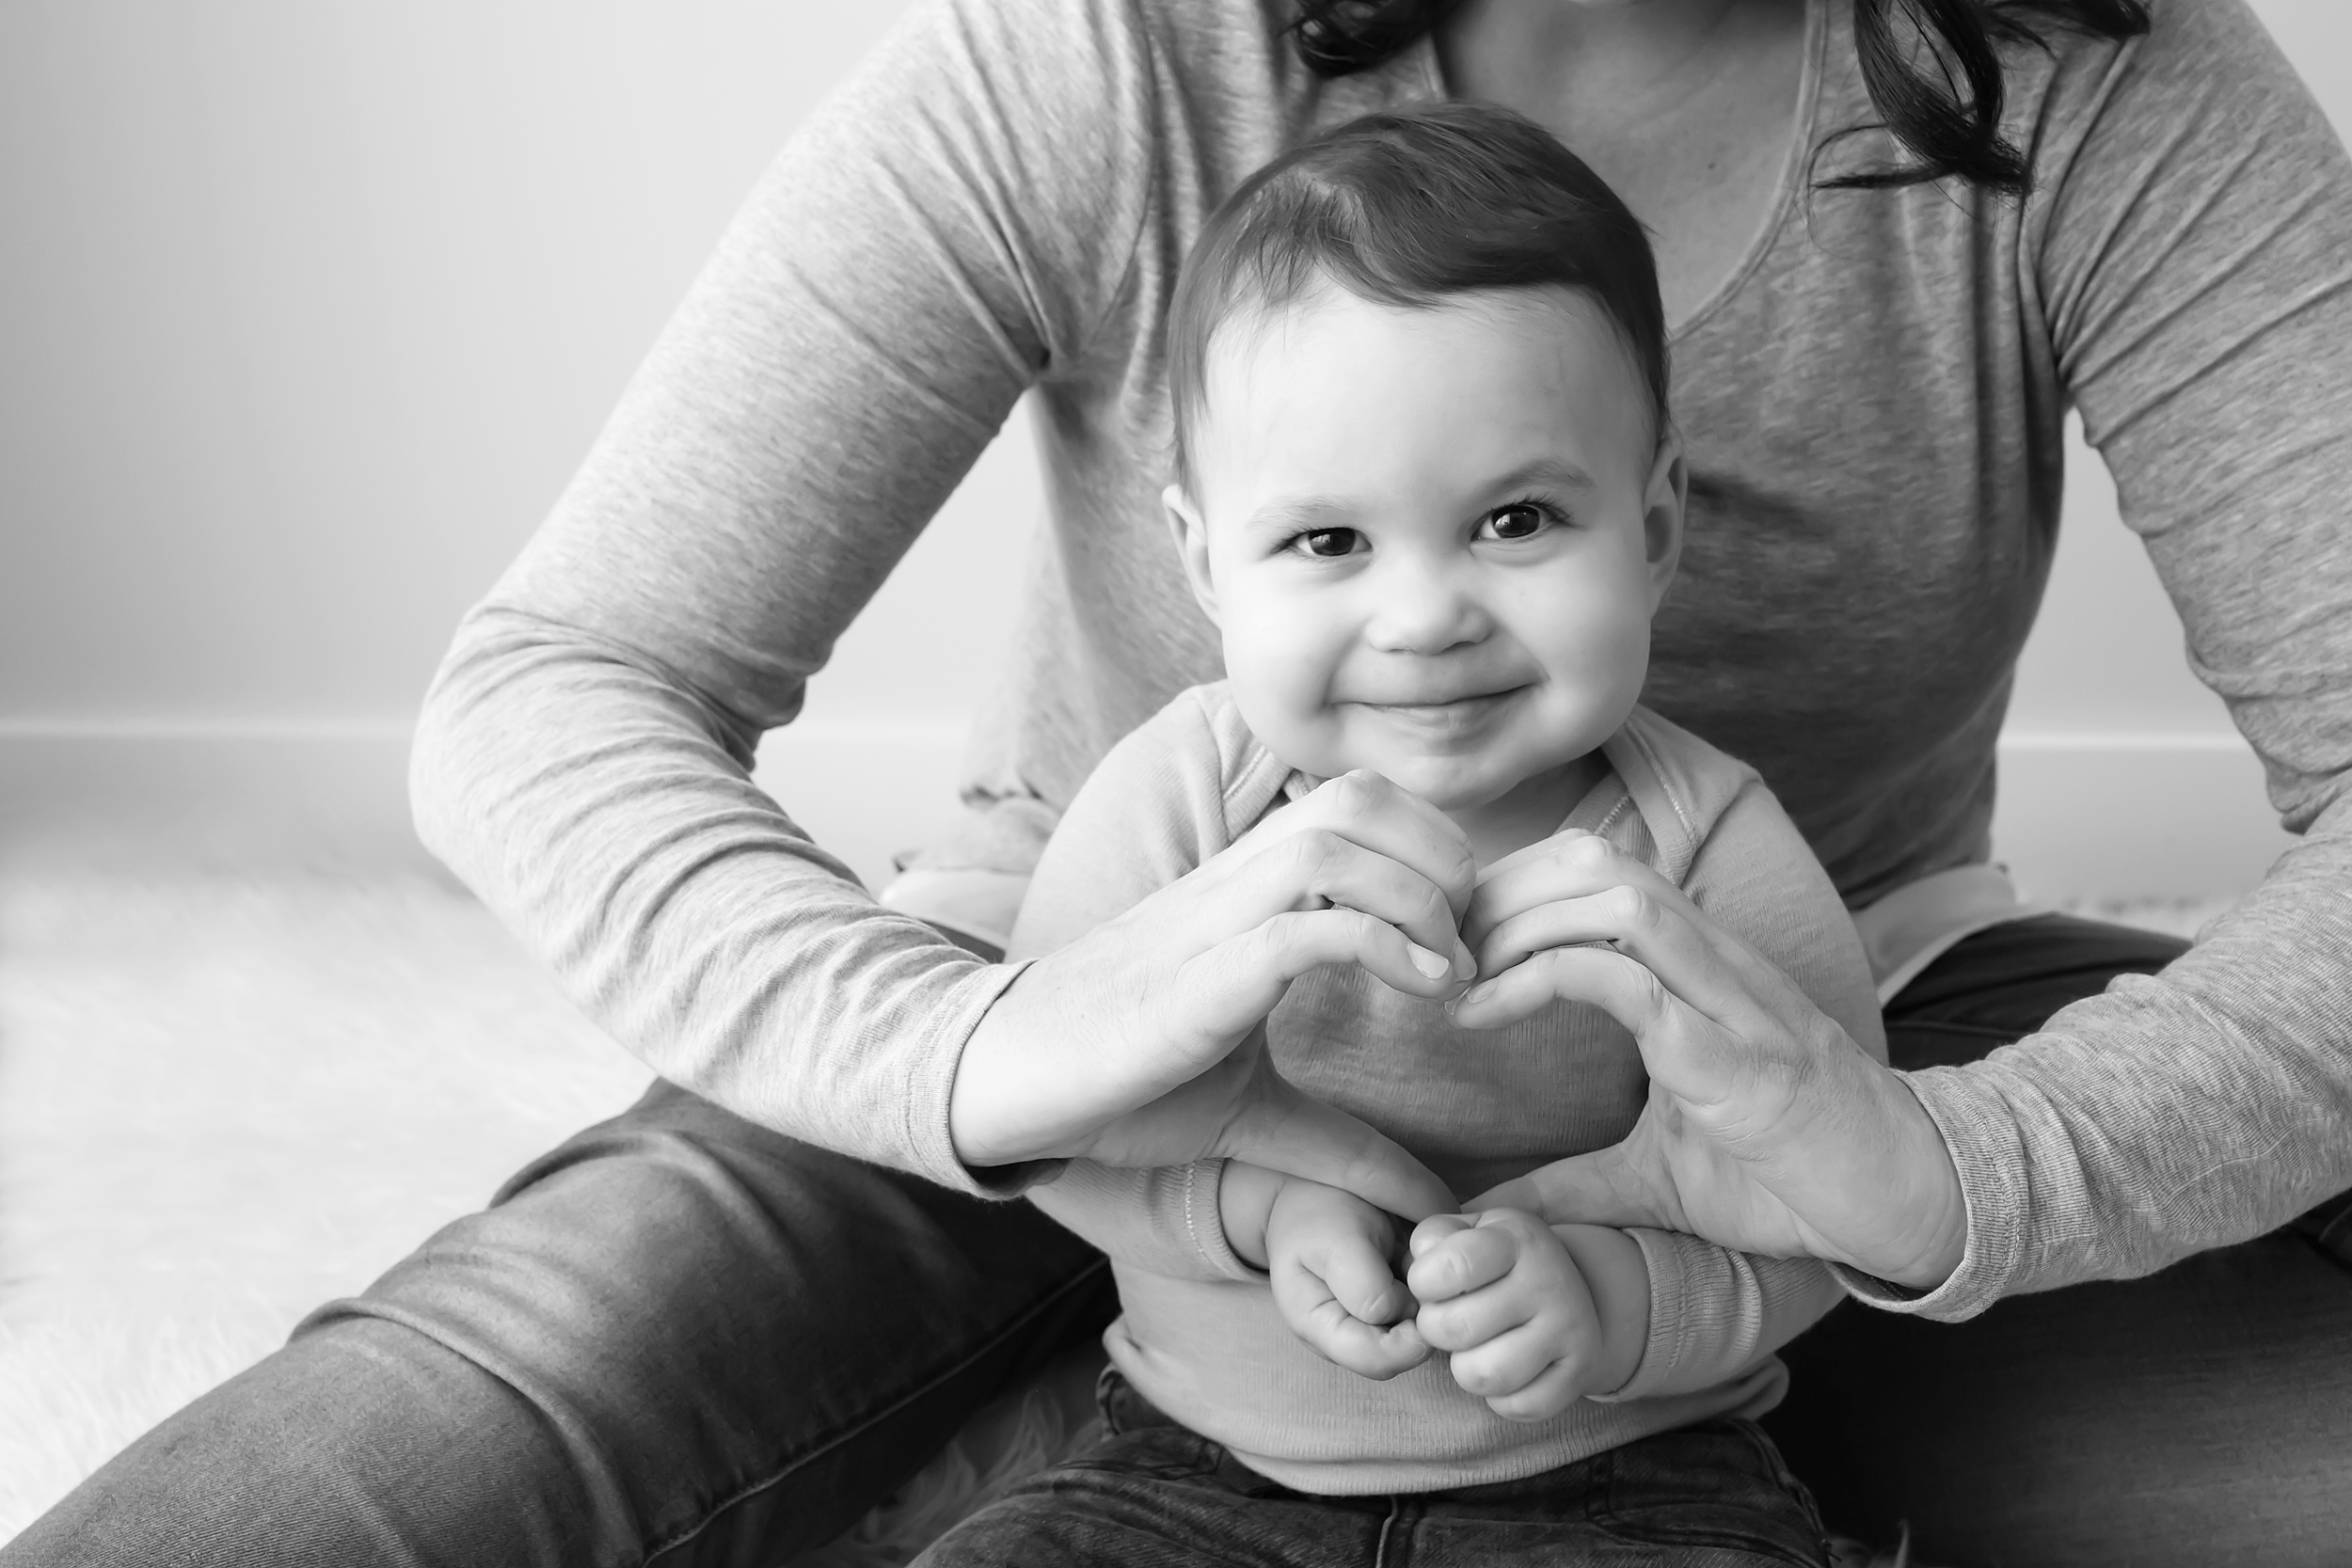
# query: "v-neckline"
{"points": [[1804, 133]]}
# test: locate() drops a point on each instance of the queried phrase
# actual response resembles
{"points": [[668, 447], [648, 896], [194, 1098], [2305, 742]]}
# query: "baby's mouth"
{"points": [[1445, 712]]}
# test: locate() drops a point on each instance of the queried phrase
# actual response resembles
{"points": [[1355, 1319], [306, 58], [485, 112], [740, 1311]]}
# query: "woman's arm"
{"points": [[943, 230], [2193, 255], [950, 227], [2193, 259]]}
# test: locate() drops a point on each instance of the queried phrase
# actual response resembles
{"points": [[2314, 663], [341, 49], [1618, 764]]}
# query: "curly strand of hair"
{"points": [[1939, 90]]}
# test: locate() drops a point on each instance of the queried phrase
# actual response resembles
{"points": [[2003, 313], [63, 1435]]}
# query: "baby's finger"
{"points": [[1467, 1321], [1510, 1362], [1435, 1229], [1553, 1390], [1468, 1259], [1358, 1278], [1368, 1350]]}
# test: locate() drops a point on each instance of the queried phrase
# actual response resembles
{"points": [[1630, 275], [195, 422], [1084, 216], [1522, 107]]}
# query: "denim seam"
{"points": [[1388, 1529], [745, 1494]]}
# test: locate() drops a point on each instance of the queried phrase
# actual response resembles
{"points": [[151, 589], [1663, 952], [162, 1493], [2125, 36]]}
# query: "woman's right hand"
{"points": [[1143, 1042], [1767, 1127]]}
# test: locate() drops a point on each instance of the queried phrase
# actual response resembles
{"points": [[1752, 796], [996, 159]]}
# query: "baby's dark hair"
{"points": [[1409, 207]]}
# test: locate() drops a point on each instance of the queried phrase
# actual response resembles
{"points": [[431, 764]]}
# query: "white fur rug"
{"points": [[225, 1100]]}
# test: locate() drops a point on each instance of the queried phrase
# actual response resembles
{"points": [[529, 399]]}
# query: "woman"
{"points": [[687, 1336]]}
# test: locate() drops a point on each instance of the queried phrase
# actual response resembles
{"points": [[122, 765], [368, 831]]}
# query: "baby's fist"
{"points": [[1327, 1256], [1501, 1291]]}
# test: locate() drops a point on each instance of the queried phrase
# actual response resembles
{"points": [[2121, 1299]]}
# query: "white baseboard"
{"points": [[233, 795], [2179, 816], [2175, 816], [225, 796]]}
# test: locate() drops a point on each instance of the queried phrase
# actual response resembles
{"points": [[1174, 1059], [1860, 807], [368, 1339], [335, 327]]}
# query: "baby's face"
{"points": [[1432, 539]]}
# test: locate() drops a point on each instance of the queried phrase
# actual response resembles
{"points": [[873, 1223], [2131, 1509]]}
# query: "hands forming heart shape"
{"points": [[1767, 1129]]}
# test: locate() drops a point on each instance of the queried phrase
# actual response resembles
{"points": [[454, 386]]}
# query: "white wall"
{"points": [[307, 308], [2119, 773]]}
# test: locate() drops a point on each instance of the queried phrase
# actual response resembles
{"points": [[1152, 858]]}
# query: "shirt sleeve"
{"points": [[1165, 1222], [2193, 254], [947, 229], [1714, 1312], [1152, 812]]}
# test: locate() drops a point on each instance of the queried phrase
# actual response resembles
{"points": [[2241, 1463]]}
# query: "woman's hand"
{"points": [[1767, 1127], [1143, 1042]]}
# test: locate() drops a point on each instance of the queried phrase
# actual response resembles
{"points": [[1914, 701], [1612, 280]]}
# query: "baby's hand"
{"points": [[1328, 1252], [1503, 1293]]}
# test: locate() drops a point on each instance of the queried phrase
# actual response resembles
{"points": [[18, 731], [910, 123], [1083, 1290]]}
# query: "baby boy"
{"points": [[1430, 494]]}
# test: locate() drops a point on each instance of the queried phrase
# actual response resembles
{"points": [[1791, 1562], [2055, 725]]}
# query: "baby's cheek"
{"points": [[1282, 684]]}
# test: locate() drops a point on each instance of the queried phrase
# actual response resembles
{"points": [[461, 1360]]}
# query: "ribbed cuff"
{"points": [[1982, 1133], [1204, 1221], [1669, 1315]]}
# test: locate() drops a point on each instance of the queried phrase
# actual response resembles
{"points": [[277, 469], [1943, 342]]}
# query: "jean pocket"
{"points": [[1719, 1485]]}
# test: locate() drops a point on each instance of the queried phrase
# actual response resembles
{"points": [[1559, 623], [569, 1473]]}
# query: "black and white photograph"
{"points": [[1195, 784]]}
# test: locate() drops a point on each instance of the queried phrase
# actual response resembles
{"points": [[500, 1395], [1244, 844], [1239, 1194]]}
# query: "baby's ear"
{"points": [[1663, 506], [1192, 547]]}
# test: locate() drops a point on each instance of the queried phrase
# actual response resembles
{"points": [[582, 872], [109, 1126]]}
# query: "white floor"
{"points": [[224, 1101]]}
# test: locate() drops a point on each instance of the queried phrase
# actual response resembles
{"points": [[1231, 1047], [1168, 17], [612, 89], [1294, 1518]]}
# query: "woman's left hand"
{"points": [[1767, 1129]]}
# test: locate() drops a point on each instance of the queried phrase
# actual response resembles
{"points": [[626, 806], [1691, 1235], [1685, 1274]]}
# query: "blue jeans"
{"points": [[681, 1339], [1712, 1496]]}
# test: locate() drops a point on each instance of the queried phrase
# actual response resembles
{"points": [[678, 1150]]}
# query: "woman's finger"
{"points": [[1369, 810], [1321, 866], [1691, 956], [1283, 1130], [1227, 990], [1688, 1053], [1622, 987], [1568, 863], [1600, 1187], [1569, 866]]}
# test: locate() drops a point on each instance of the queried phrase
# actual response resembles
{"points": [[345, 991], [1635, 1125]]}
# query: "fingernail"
{"points": [[1478, 992], [1435, 965], [1464, 965]]}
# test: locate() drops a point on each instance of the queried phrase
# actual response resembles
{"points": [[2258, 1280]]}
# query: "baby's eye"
{"points": [[1519, 520], [1327, 542]]}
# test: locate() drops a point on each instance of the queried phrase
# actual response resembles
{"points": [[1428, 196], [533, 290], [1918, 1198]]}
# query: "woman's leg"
{"points": [[2197, 1416], [677, 1338]]}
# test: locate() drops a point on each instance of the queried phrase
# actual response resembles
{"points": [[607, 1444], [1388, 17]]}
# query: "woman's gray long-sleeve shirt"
{"points": [[1872, 403]]}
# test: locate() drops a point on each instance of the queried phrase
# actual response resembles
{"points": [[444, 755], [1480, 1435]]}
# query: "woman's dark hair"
{"points": [[1935, 79], [1409, 209]]}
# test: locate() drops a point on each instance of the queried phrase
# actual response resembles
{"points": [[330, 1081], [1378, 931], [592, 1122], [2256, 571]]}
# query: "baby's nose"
{"points": [[1423, 610]]}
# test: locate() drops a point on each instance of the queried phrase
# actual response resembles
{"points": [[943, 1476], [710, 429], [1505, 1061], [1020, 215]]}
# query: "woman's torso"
{"points": [[1874, 417]]}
